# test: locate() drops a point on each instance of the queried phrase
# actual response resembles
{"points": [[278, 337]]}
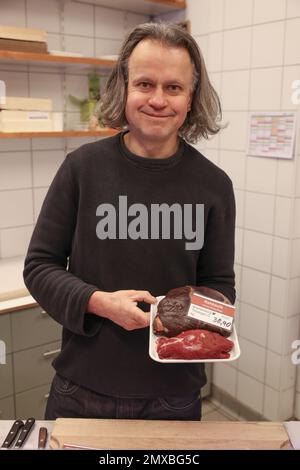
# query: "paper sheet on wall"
{"points": [[272, 134]]}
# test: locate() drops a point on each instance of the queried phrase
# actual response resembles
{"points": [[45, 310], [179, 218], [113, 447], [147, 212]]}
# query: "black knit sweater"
{"points": [[67, 260]]}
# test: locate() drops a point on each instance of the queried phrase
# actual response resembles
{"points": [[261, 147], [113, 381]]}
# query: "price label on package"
{"points": [[211, 311]]}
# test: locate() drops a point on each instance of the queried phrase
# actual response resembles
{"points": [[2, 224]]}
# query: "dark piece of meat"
{"points": [[172, 319], [194, 344]]}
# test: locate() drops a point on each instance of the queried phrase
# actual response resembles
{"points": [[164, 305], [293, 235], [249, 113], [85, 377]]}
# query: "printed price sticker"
{"points": [[211, 311]]}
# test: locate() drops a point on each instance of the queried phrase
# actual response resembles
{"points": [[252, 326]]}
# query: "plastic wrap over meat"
{"points": [[172, 310]]}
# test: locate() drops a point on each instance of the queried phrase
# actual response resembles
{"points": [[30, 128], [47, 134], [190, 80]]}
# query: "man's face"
{"points": [[159, 91]]}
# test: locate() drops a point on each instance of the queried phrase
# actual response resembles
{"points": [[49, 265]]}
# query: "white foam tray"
{"points": [[234, 353]]}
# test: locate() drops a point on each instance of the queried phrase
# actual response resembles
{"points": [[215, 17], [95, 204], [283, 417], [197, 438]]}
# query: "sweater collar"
{"points": [[150, 163]]}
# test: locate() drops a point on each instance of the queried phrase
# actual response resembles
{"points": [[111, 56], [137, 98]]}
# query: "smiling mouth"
{"points": [[160, 116]]}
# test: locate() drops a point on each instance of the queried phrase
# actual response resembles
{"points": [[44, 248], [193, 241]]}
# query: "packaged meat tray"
{"points": [[234, 353]]}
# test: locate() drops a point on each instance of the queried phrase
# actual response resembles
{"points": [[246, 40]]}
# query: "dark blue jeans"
{"points": [[68, 400]]}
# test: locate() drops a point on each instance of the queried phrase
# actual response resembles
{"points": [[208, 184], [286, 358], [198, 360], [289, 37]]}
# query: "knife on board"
{"points": [[43, 433], [12, 434], [25, 431]]}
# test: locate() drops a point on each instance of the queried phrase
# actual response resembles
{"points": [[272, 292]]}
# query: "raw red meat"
{"points": [[172, 319], [194, 344]]}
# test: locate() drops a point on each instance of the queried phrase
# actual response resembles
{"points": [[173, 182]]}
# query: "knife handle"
{"points": [[14, 430], [25, 432], [43, 433]]}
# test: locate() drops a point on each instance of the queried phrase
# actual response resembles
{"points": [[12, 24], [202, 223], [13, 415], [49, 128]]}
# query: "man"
{"points": [[100, 218]]}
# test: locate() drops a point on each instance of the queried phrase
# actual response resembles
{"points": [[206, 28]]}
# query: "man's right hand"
{"points": [[121, 307]]}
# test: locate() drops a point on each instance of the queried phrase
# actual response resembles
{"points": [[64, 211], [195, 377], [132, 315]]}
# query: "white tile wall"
{"points": [[109, 23], [268, 53], [203, 43], [289, 371], [257, 252], [198, 9], [253, 361], [290, 75], [296, 220], [107, 46], [16, 208], [273, 370], [15, 170], [235, 86], [271, 407], [214, 58], [276, 334], [28, 165], [237, 13], [292, 53], [45, 165], [259, 212], [279, 296], [236, 53], [14, 241], [293, 306], [261, 175], [16, 83], [36, 15], [50, 87], [297, 405], [285, 185], [286, 404], [268, 10], [250, 392], [251, 72], [216, 14], [234, 164], [265, 89], [234, 135], [295, 269], [293, 8], [283, 216], [239, 236], [79, 44], [239, 202], [281, 257], [38, 198], [78, 17], [225, 377], [13, 13], [255, 288], [253, 324]]}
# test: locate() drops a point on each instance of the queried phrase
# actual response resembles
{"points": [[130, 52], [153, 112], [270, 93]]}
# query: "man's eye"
{"points": [[174, 87], [144, 85]]}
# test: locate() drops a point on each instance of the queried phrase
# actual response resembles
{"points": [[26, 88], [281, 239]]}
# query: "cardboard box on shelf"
{"points": [[26, 104]]}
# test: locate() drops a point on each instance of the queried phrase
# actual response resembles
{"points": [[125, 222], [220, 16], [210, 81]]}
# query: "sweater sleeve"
{"points": [[63, 295], [216, 258]]}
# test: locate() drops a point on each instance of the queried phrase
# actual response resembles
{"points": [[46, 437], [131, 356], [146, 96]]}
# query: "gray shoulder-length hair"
{"points": [[205, 114]]}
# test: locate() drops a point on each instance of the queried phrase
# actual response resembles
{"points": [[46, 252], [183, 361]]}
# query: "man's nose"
{"points": [[157, 98]]}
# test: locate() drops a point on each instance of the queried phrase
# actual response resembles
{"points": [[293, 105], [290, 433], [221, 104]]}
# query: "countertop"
{"points": [[13, 293]]}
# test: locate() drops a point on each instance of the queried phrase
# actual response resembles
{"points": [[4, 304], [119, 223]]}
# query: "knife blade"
{"points": [[13, 432], [43, 433], [26, 429]]}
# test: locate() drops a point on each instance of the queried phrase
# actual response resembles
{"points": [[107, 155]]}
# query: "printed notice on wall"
{"points": [[272, 134]]}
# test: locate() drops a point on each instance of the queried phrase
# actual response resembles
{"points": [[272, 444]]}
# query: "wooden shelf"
{"points": [[21, 135], [148, 7], [54, 60]]}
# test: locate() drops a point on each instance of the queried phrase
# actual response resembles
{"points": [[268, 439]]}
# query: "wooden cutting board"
{"points": [[146, 434]]}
